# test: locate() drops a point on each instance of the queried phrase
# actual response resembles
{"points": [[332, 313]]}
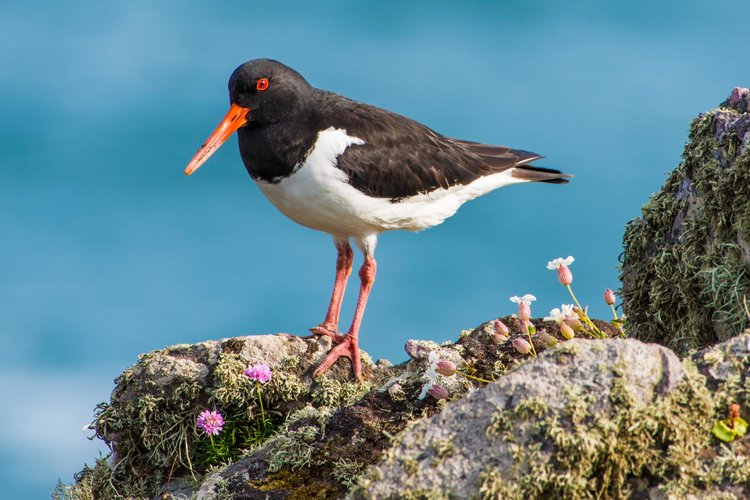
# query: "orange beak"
{"points": [[235, 118]]}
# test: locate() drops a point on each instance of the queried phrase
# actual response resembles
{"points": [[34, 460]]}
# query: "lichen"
{"points": [[586, 453], [292, 447], [333, 393], [347, 472]]}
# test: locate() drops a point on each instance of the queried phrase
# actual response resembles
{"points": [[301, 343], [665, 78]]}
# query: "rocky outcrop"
{"points": [[587, 418], [686, 262], [545, 429]]}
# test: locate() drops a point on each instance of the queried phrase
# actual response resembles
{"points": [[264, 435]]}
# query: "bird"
{"points": [[354, 171]]}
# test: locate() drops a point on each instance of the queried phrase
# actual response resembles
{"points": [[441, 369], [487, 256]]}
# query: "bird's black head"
{"points": [[261, 92], [270, 90]]}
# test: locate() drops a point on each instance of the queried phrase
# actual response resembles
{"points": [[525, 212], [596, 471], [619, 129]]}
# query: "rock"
{"points": [[606, 417], [149, 423], [686, 262], [496, 436]]}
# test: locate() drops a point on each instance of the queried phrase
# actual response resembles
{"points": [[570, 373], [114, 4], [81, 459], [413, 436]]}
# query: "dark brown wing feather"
{"points": [[403, 158]]}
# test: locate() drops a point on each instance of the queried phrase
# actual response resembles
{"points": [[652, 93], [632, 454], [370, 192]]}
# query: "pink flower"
{"points": [[211, 422], [563, 271], [259, 372], [438, 392], [609, 297]]}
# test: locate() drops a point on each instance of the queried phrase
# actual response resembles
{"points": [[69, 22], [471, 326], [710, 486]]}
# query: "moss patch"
{"points": [[686, 264]]}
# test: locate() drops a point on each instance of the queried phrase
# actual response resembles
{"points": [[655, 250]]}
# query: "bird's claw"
{"points": [[348, 347], [329, 330]]}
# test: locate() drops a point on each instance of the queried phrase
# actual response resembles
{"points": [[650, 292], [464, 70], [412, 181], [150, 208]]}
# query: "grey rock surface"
{"points": [[449, 451]]}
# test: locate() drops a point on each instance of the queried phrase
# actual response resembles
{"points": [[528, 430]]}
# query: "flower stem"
{"points": [[260, 400], [533, 349], [213, 446], [574, 297], [585, 317], [613, 310], [472, 377]]}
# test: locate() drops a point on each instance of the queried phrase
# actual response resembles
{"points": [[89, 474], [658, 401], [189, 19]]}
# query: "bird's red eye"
{"points": [[262, 84]]}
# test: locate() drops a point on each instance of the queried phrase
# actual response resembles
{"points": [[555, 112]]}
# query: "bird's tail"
{"points": [[539, 174]]}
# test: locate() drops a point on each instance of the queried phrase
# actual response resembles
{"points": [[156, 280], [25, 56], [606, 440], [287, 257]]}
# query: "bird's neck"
{"points": [[271, 152]]}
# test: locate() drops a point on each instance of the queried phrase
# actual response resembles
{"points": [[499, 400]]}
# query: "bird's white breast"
{"points": [[318, 195]]}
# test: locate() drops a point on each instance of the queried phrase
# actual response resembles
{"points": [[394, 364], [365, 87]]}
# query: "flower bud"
{"points": [[546, 339], [438, 392], [564, 275], [500, 328], [446, 367], [609, 297], [575, 324], [521, 345], [566, 331], [524, 311], [499, 332]]}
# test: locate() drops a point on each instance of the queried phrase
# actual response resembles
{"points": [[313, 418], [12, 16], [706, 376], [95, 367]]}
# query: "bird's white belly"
{"points": [[317, 195]]}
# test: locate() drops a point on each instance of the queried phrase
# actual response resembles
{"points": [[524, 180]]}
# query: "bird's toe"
{"points": [[328, 330]]}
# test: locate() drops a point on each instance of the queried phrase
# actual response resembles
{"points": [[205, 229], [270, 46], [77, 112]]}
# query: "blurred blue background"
{"points": [[107, 250]]}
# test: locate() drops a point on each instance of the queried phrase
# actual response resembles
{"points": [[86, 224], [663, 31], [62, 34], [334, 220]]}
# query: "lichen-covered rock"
{"points": [[587, 418], [323, 433], [726, 368], [150, 422], [686, 264], [541, 429]]}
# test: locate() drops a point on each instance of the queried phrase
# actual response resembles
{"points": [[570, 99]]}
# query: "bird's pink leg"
{"points": [[329, 326], [348, 346]]}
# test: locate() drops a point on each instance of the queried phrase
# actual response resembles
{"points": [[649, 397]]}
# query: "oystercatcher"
{"points": [[354, 170]]}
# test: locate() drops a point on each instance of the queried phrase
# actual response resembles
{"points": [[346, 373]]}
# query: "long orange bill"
{"points": [[235, 118]]}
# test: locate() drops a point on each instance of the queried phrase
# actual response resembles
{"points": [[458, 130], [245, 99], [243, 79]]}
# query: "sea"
{"points": [[108, 251]]}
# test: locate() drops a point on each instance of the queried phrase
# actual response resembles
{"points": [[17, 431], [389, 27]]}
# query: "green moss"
{"points": [[686, 264], [304, 484]]}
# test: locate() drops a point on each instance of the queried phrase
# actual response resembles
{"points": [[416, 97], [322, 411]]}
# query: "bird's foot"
{"points": [[347, 347], [326, 329]]}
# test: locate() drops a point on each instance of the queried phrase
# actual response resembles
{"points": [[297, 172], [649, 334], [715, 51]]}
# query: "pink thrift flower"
{"points": [[446, 367], [259, 372], [211, 422], [438, 392], [609, 297], [563, 271], [521, 345]]}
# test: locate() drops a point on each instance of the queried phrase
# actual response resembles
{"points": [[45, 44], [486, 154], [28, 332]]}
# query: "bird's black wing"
{"points": [[402, 158]]}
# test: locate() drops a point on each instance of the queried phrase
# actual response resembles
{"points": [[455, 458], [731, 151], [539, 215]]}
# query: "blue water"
{"points": [[107, 250]]}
